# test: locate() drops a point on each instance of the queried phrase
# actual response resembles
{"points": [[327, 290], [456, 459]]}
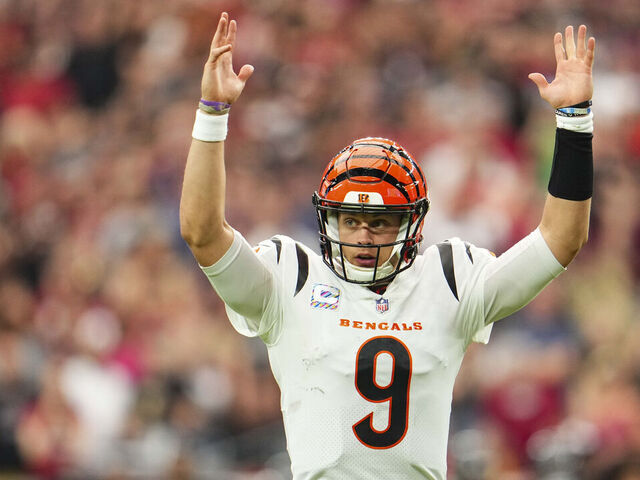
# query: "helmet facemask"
{"points": [[404, 248]]}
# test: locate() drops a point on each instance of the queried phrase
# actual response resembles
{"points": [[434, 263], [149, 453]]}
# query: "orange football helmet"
{"points": [[372, 175]]}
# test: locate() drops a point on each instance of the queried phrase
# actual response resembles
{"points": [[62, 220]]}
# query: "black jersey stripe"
{"points": [[371, 172], [303, 268], [446, 258], [467, 247], [278, 245]]}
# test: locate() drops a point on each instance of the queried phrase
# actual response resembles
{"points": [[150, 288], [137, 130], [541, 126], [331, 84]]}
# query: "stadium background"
{"points": [[116, 359]]}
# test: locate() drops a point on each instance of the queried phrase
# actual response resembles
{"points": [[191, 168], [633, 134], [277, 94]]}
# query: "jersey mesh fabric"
{"points": [[318, 327]]}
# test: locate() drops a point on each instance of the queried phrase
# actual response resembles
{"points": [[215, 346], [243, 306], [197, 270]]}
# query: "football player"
{"points": [[365, 340]]}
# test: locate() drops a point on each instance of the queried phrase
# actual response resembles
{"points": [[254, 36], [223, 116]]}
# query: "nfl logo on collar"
{"points": [[382, 305]]}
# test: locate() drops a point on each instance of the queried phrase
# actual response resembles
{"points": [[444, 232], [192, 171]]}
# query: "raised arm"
{"points": [[565, 218], [202, 221]]}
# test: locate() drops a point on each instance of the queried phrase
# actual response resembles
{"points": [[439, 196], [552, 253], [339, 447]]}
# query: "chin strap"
{"points": [[379, 289]]}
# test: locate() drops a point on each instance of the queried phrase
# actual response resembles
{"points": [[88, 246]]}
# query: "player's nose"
{"points": [[364, 236]]}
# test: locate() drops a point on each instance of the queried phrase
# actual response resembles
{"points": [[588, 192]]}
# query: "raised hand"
{"points": [[219, 81], [573, 82]]}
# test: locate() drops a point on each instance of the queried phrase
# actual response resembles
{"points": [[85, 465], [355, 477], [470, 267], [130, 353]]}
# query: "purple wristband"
{"points": [[217, 106]]}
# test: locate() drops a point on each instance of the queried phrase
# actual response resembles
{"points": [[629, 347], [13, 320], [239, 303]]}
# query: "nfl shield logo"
{"points": [[382, 305]]}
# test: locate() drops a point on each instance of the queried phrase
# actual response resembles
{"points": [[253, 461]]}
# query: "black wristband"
{"points": [[572, 169], [585, 104]]}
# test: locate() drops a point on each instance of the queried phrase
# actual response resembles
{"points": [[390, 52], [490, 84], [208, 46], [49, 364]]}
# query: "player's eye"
{"points": [[380, 224]]}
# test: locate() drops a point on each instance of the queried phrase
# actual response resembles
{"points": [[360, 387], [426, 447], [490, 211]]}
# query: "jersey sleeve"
{"points": [[248, 281], [493, 288]]}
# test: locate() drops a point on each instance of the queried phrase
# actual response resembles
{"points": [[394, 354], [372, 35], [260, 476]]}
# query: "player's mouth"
{"points": [[365, 260]]}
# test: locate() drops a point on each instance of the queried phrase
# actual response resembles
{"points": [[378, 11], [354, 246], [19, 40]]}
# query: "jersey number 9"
{"points": [[396, 392]]}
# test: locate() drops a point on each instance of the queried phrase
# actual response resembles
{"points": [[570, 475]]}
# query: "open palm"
{"points": [[219, 81], [573, 82]]}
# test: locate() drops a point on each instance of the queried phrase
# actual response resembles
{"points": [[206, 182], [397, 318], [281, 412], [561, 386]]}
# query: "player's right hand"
{"points": [[219, 81]]}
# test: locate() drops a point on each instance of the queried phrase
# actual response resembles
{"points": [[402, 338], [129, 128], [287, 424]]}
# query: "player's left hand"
{"points": [[573, 82]]}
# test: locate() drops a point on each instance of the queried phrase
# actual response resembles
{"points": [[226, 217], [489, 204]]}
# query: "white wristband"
{"points": [[582, 124], [210, 128]]}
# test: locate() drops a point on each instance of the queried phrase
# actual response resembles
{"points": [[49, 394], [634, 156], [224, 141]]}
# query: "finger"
{"points": [[539, 80], [216, 52], [570, 44], [230, 39], [557, 47], [245, 72], [226, 26], [582, 34], [220, 30], [231, 35], [591, 48]]}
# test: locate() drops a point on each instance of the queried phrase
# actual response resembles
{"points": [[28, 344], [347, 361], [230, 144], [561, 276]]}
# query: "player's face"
{"points": [[367, 229]]}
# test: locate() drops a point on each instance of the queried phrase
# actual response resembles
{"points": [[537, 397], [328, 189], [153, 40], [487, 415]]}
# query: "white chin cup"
{"points": [[365, 274]]}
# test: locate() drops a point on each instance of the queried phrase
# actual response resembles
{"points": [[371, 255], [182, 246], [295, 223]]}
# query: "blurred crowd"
{"points": [[116, 358]]}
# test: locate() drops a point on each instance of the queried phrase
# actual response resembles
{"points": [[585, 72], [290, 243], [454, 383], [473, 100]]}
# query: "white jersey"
{"points": [[366, 380]]}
